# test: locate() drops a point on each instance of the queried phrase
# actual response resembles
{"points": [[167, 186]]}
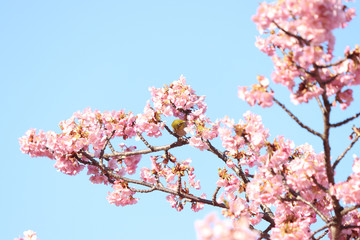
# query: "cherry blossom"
{"points": [[28, 235], [265, 179]]}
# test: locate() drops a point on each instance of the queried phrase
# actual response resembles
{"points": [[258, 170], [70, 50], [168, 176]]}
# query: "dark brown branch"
{"points": [[296, 119], [97, 164], [330, 79], [104, 147], [319, 185], [301, 40], [223, 157], [214, 195], [82, 161], [345, 121], [335, 229], [337, 161], [322, 235], [331, 64], [350, 226], [265, 233]]}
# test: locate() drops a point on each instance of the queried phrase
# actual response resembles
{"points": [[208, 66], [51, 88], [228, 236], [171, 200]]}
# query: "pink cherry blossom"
{"points": [[122, 195], [212, 228], [259, 93], [28, 235]]}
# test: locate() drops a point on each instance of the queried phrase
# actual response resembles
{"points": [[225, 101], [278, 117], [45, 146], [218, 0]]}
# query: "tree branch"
{"points": [[111, 175], [214, 195], [268, 214], [337, 161], [349, 209], [296, 119], [301, 40], [298, 197], [179, 143], [345, 121], [167, 190], [144, 141], [320, 229], [104, 147]]}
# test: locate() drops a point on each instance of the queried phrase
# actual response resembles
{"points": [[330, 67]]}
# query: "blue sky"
{"points": [[58, 57]]}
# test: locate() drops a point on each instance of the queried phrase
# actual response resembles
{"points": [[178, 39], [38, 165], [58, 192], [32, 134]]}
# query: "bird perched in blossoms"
{"points": [[178, 126]]}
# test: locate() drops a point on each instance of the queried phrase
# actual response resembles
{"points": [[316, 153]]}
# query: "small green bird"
{"points": [[178, 126]]}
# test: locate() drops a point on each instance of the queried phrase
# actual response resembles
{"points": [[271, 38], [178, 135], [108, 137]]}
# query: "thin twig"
{"points": [[346, 150], [322, 235], [144, 141], [350, 226], [101, 167], [214, 195], [223, 157], [319, 185], [104, 147], [345, 121], [110, 174], [167, 190], [330, 64], [178, 190], [180, 143], [301, 40], [320, 229], [296, 119]]}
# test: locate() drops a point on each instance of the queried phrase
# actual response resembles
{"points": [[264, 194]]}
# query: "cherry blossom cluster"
{"points": [[28, 235], [86, 136], [290, 187], [212, 228], [258, 94], [249, 133], [287, 178], [84, 130], [122, 194], [298, 37], [179, 100], [161, 169], [349, 191]]}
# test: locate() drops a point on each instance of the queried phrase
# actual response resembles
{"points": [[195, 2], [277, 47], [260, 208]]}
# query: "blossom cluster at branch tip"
{"points": [[258, 94], [249, 133], [179, 100], [298, 36]]}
